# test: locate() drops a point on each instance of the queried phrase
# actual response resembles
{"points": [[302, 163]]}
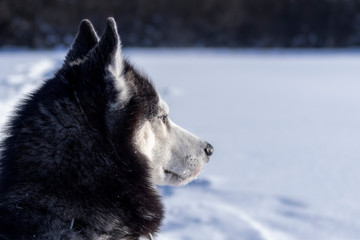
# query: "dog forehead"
{"points": [[164, 106], [140, 81]]}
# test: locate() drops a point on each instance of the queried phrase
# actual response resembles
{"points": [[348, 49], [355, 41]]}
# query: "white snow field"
{"points": [[285, 126]]}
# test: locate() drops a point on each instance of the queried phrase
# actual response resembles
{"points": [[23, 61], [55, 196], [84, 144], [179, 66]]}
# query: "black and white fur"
{"points": [[83, 153]]}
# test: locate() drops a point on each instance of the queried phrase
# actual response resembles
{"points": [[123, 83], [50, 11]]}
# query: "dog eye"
{"points": [[164, 118]]}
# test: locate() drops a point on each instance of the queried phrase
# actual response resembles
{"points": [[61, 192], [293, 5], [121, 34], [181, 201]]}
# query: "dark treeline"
{"points": [[223, 23]]}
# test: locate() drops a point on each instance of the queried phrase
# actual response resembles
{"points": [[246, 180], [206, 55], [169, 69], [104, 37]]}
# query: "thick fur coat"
{"points": [[69, 167]]}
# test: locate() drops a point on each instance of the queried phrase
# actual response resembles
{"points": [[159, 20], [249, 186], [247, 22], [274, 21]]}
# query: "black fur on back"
{"points": [[69, 169]]}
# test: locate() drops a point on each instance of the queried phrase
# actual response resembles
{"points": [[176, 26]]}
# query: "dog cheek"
{"points": [[150, 142], [145, 140]]}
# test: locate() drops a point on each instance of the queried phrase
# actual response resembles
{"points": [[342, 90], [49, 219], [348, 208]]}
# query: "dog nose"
{"points": [[209, 149]]}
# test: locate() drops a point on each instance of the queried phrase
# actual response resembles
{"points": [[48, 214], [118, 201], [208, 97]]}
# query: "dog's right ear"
{"points": [[85, 40]]}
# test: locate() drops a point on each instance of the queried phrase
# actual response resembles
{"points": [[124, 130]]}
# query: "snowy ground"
{"points": [[286, 130]]}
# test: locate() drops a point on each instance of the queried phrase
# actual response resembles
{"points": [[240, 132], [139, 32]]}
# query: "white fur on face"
{"points": [[145, 140], [175, 155]]}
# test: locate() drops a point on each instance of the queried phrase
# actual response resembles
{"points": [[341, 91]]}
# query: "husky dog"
{"points": [[83, 153]]}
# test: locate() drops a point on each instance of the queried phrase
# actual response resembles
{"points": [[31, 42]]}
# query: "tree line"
{"points": [[186, 23]]}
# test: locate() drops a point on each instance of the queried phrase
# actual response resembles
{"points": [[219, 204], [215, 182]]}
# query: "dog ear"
{"points": [[85, 40], [109, 48]]}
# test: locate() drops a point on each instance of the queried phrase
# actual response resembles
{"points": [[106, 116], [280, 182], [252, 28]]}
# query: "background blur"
{"points": [[285, 123], [201, 23]]}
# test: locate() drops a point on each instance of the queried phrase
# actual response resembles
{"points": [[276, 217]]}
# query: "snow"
{"points": [[285, 125]]}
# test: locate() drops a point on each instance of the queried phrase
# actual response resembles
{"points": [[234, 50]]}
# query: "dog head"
{"points": [[133, 109], [176, 156]]}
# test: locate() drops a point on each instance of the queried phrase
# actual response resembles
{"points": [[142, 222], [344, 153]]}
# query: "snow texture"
{"points": [[285, 126]]}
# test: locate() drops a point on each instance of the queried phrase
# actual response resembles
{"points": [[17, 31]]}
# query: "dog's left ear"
{"points": [[85, 40], [110, 48], [109, 54]]}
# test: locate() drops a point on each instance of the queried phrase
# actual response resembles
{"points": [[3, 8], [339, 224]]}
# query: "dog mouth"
{"points": [[176, 179], [173, 175]]}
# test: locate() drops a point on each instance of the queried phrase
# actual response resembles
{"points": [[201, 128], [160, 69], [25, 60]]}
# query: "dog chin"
{"points": [[174, 179]]}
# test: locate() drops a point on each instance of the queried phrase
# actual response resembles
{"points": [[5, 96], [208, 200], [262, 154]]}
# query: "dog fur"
{"points": [[80, 156]]}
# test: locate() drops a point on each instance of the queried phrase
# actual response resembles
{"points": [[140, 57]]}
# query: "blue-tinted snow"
{"points": [[285, 126]]}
